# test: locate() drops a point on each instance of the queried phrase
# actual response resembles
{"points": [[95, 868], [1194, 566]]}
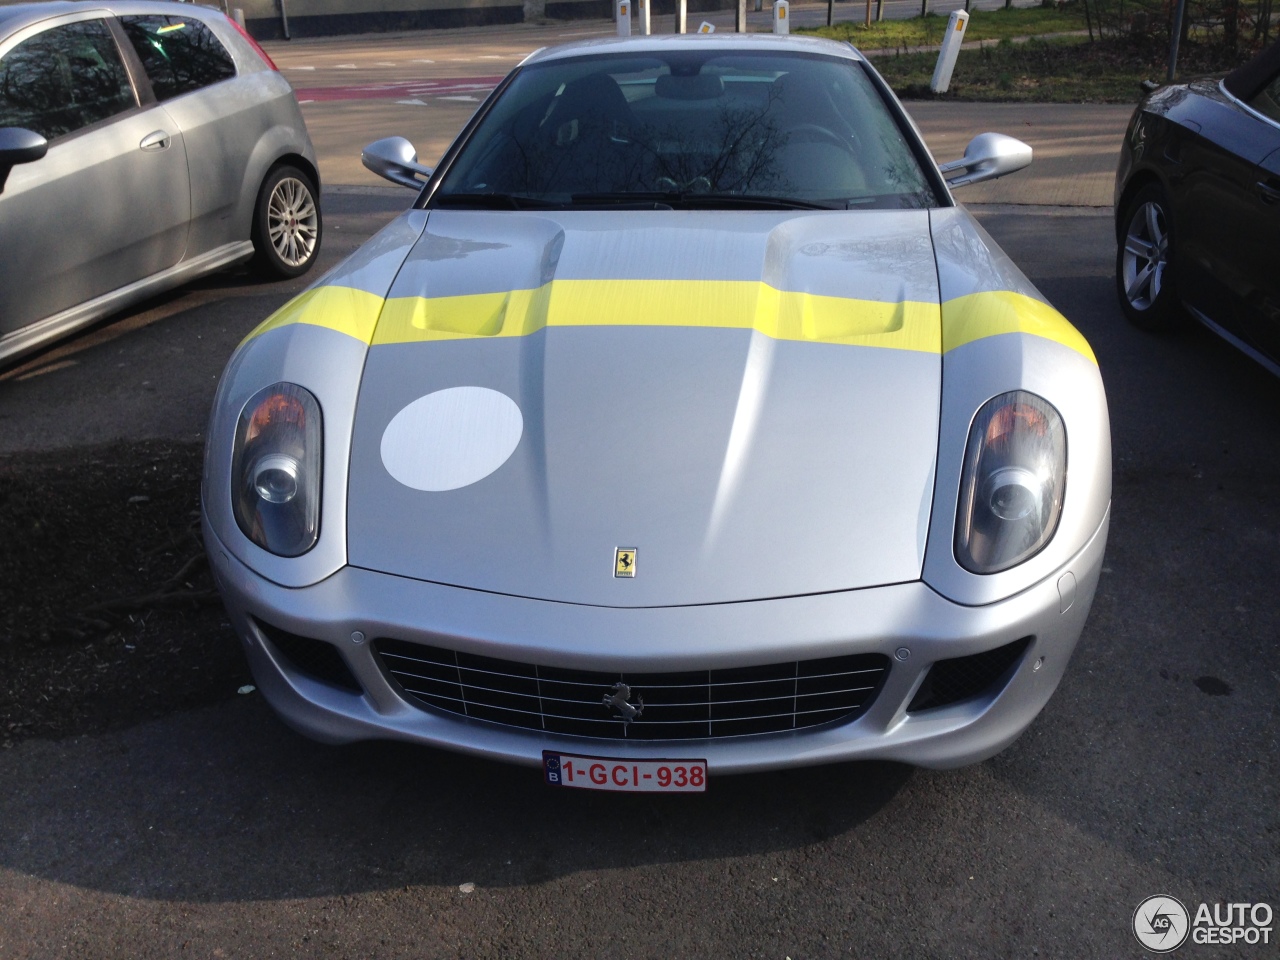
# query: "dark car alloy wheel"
{"points": [[286, 223], [1144, 279]]}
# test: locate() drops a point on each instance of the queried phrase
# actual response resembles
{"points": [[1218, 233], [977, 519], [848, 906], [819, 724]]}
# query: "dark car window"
{"points": [[1267, 100], [179, 54], [64, 79], [693, 127]]}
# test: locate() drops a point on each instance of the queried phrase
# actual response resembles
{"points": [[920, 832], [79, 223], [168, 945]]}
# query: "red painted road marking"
{"points": [[477, 86]]}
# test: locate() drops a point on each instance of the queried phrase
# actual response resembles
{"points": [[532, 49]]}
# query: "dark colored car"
{"points": [[1198, 207]]}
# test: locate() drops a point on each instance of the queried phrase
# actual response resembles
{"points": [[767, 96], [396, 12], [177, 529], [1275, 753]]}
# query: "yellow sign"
{"points": [[624, 562]]}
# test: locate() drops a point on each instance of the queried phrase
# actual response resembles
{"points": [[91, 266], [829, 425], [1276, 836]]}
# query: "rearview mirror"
{"points": [[988, 155], [395, 159], [19, 146]]}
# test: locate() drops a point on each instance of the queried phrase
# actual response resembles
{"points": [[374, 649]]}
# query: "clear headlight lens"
{"points": [[1015, 474], [275, 470]]}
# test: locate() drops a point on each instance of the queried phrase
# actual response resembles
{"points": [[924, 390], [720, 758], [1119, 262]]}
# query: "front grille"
{"points": [[315, 658], [696, 704], [950, 681]]}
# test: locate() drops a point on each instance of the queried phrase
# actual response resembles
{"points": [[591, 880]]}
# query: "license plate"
{"points": [[630, 776]]}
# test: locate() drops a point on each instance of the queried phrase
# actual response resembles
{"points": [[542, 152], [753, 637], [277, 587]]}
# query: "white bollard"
{"points": [[950, 50], [642, 8], [781, 18], [624, 18]]}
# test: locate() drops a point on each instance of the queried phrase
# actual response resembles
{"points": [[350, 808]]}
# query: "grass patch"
{"points": [[928, 30], [1061, 70]]}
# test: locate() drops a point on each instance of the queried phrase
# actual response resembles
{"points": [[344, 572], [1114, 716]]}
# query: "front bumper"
{"points": [[891, 620]]}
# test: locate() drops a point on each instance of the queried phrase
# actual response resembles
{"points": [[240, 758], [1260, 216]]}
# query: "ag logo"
{"points": [[624, 562], [1161, 924]]}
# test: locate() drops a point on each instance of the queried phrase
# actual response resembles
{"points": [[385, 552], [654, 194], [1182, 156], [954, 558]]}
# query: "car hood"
{"points": [[748, 401]]}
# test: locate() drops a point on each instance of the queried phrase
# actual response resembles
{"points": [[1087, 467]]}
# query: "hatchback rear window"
{"points": [[179, 54]]}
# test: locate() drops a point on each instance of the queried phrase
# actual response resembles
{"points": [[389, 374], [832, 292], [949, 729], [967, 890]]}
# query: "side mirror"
{"points": [[988, 155], [395, 159], [19, 146]]}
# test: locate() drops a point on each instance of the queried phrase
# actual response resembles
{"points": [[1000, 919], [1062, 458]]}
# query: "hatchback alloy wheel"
{"points": [[292, 221]]}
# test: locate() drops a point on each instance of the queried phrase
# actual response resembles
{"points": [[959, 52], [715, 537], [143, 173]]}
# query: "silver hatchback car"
{"points": [[141, 145]]}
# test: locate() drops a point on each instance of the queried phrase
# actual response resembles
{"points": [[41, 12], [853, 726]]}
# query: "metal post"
{"points": [[879, 10], [643, 8], [284, 20], [868, 13], [682, 15], [1175, 35], [740, 17], [831, 10], [950, 50]]}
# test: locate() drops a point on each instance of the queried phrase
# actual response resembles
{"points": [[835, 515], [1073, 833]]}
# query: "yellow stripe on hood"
{"points": [[725, 304], [980, 315], [344, 309]]}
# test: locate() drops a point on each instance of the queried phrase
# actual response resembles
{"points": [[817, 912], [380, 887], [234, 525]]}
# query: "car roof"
{"points": [[14, 17], [20, 14], [758, 42]]}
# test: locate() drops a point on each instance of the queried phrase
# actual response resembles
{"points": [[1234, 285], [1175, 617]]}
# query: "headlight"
{"points": [[275, 470], [1015, 473]]}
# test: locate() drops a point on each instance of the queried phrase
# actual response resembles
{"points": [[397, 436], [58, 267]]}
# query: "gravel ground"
{"points": [[107, 608]]}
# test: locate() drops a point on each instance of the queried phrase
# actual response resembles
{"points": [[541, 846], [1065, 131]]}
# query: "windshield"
{"points": [[689, 128]]}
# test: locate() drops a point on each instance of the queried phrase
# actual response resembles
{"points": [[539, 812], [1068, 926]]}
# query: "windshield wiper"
{"points": [[493, 201], [693, 201], [752, 201], [639, 200]]}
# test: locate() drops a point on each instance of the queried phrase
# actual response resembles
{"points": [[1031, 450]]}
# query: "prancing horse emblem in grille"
{"points": [[617, 698]]}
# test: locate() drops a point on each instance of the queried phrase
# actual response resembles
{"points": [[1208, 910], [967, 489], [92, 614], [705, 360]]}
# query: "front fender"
{"points": [[318, 340]]}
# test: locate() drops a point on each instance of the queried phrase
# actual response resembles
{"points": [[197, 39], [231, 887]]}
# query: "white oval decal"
{"points": [[451, 438]]}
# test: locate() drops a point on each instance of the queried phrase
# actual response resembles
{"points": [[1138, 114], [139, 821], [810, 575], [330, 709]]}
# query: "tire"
{"points": [[1144, 261], [286, 223]]}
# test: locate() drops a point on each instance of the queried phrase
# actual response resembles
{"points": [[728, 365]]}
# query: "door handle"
{"points": [[159, 140], [1269, 190]]}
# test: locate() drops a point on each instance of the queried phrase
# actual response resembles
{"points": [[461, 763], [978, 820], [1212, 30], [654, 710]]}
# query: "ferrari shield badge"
{"points": [[624, 562]]}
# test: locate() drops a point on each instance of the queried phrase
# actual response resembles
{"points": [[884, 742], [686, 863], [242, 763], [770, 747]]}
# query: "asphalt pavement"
{"points": [[219, 833]]}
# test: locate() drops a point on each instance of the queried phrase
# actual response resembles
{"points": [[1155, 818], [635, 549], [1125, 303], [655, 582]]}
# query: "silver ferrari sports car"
{"points": [[685, 425]]}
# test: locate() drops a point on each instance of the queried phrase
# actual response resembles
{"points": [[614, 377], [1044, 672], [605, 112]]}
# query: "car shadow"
{"points": [[226, 804]]}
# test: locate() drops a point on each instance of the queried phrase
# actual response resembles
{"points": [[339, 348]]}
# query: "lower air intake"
{"points": [[950, 681], [697, 704], [315, 658]]}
